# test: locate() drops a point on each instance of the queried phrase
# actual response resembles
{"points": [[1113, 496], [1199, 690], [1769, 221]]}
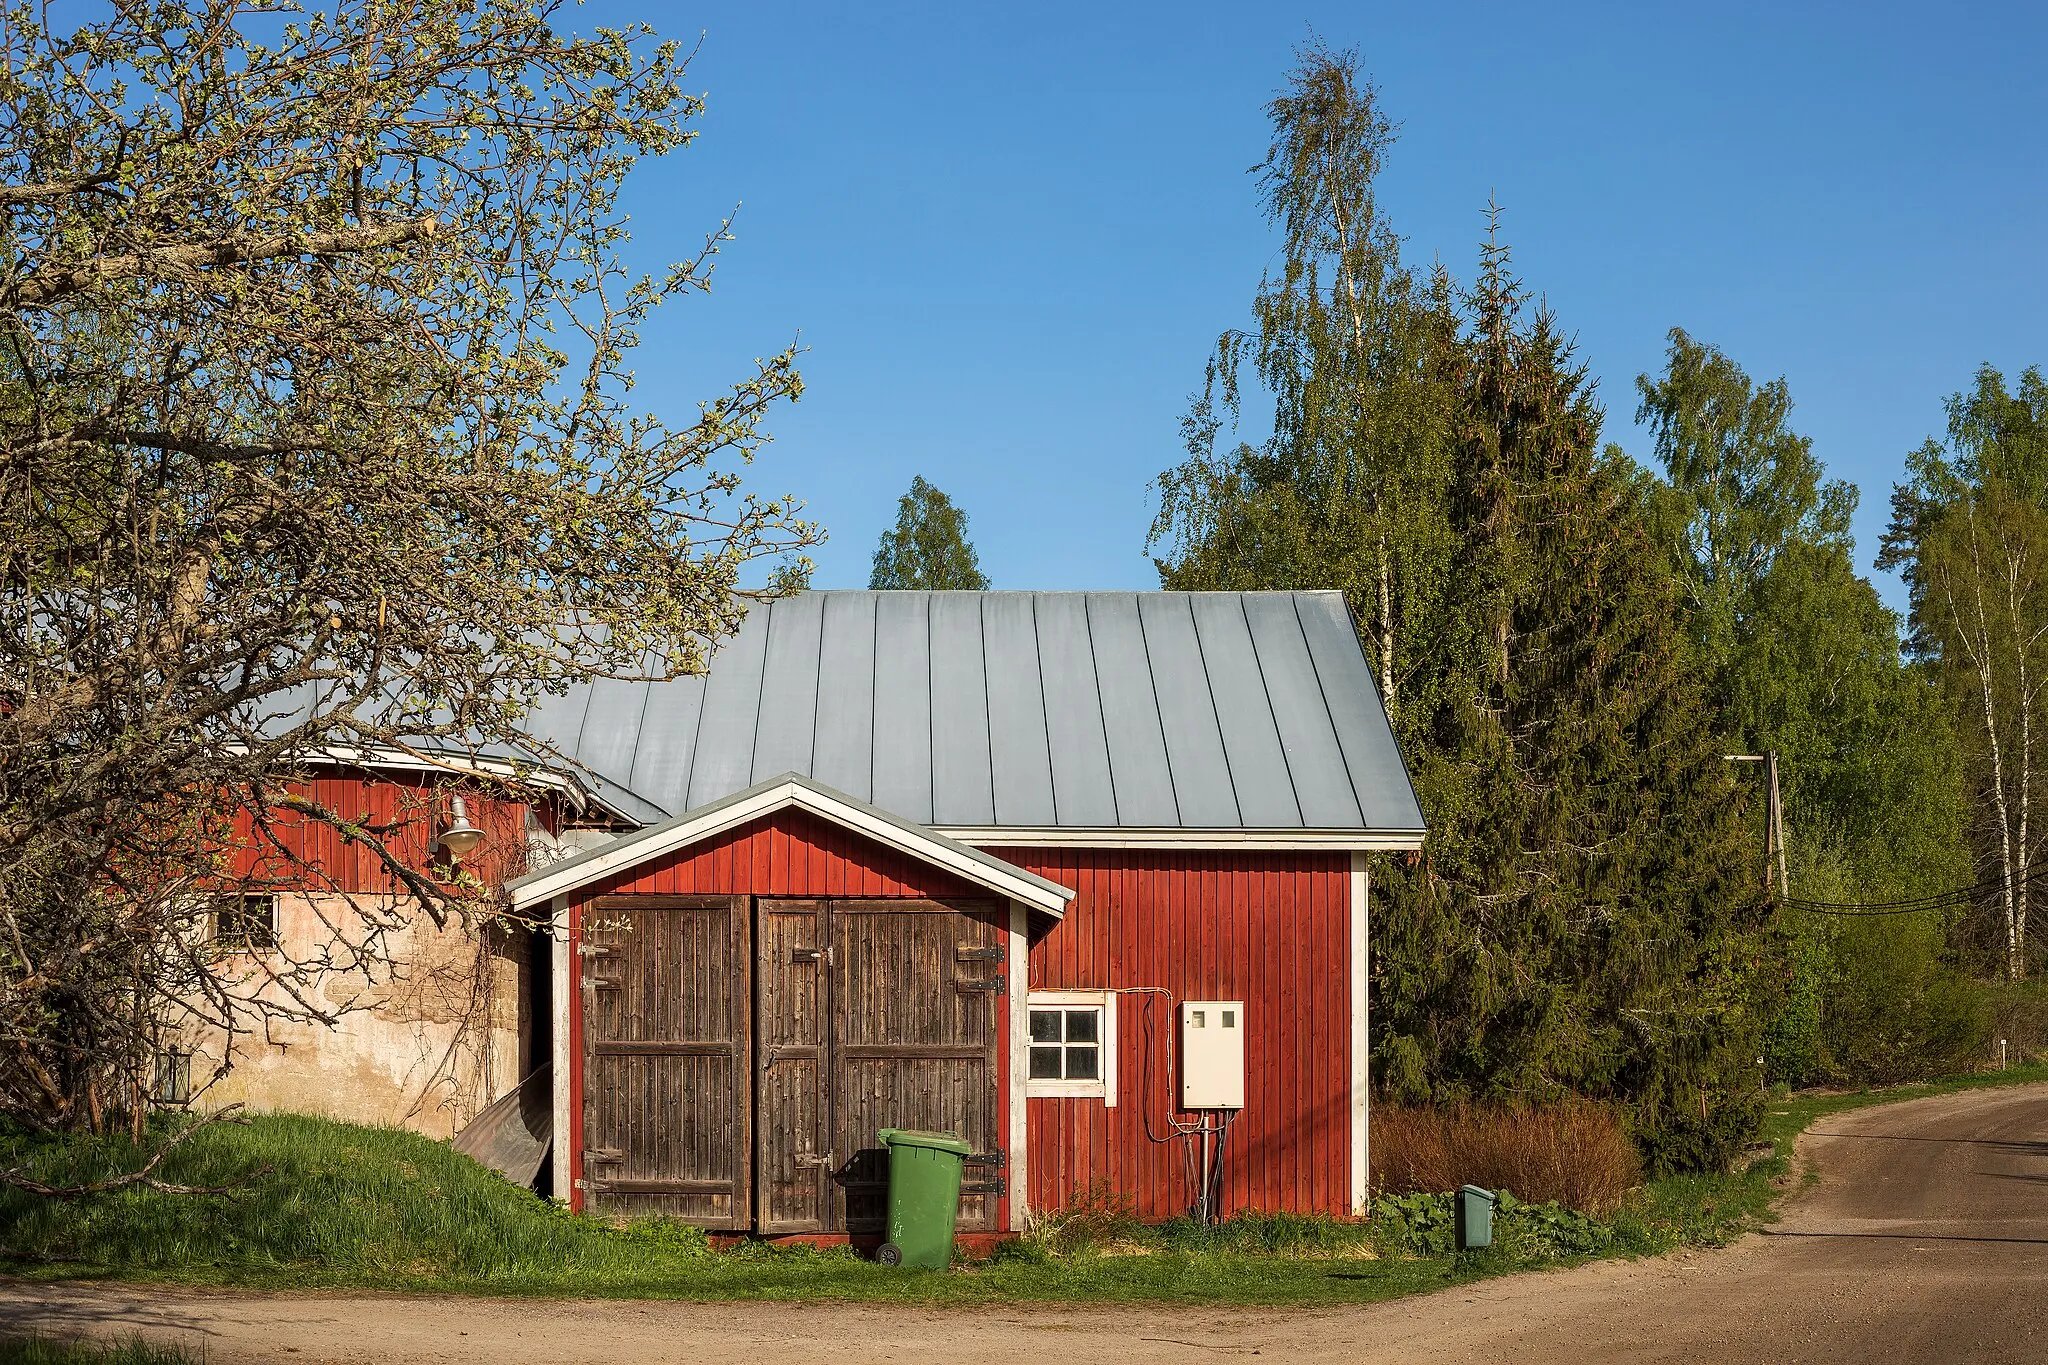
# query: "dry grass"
{"points": [[1574, 1153]]}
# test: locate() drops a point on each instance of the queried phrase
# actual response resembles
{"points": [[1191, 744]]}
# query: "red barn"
{"points": [[1036, 868]]}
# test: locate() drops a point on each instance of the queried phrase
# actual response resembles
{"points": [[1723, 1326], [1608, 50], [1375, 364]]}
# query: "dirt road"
{"points": [[1926, 1240]]}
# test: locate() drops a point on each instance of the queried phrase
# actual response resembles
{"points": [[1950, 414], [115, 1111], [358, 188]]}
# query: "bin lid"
{"points": [[1476, 1192], [908, 1137]]}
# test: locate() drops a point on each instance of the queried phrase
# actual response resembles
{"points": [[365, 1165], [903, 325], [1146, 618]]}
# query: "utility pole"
{"points": [[1774, 822]]}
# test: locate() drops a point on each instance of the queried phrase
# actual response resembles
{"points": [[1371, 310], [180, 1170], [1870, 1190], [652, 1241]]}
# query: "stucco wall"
{"points": [[425, 1037]]}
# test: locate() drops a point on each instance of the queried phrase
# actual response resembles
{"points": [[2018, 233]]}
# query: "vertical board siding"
{"points": [[406, 812], [1269, 928], [787, 853]]}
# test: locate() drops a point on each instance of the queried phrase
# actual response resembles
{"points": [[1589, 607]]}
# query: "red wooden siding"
{"points": [[409, 811], [1271, 929], [788, 853]]}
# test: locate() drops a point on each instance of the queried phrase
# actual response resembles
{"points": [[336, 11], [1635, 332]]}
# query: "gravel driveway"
{"points": [[1926, 1240]]}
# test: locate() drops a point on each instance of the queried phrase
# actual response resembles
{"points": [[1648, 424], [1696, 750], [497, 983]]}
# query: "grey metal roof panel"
{"points": [[1244, 710], [668, 741], [1187, 713], [1020, 762], [963, 784], [789, 686], [1308, 739], [558, 721], [843, 746], [609, 738], [1379, 775], [724, 759], [902, 729], [1083, 787], [1138, 769], [1099, 710]]}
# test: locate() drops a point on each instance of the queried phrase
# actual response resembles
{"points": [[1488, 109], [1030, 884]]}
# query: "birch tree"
{"points": [[1350, 345], [1970, 534]]}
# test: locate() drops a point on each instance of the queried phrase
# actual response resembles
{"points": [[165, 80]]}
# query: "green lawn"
{"points": [[45, 1351], [348, 1207]]}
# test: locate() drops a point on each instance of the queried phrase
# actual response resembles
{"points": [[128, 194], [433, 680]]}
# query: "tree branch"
{"points": [[45, 287], [54, 189]]}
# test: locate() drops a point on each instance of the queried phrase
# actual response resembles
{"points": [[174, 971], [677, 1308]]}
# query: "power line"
{"points": [[1954, 899]]}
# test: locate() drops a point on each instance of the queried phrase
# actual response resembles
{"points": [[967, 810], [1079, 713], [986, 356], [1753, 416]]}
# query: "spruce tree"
{"points": [[1585, 917], [928, 547]]}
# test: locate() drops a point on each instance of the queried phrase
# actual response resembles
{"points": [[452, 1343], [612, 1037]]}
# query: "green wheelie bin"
{"points": [[924, 1196]]}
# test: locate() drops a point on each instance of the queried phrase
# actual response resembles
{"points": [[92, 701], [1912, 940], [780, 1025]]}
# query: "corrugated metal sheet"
{"points": [[1030, 710]]}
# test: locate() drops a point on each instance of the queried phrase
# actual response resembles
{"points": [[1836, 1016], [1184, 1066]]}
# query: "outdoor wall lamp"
{"points": [[461, 837]]}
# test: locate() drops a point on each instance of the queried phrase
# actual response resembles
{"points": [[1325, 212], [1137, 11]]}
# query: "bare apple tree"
{"points": [[316, 434]]}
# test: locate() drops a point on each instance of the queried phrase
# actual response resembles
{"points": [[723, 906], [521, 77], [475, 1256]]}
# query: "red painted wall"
{"points": [[1271, 929], [788, 853], [302, 853]]}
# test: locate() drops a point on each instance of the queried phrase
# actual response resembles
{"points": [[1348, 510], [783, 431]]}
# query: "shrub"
{"points": [[1574, 1154]]}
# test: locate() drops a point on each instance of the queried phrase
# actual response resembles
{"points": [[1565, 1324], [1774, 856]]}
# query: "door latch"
{"points": [[814, 1158]]}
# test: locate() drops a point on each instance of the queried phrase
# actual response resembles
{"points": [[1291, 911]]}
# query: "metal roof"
{"points": [[1018, 710]]}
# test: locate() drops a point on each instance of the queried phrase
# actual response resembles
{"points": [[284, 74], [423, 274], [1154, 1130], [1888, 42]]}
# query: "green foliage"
{"points": [[1969, 534], [1352, 490], [1743, 486], [1802, 658], [928, 547], [1583, 919]]}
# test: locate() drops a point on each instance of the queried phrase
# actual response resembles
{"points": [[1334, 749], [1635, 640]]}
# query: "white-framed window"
{"points": [[1072, 1045]]}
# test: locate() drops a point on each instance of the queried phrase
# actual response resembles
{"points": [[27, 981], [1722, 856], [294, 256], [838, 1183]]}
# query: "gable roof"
{"points": [[968, 864], [1087, 717]]}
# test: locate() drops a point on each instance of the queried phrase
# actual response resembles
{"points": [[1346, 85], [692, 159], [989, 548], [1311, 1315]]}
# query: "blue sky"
{"points": [[1009, 236]]}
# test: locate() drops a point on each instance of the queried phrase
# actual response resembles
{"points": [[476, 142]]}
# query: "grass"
{"points": [[38, 1350], [348, 1207]]}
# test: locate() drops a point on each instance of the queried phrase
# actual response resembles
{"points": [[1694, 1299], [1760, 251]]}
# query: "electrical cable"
{"points": [[1954, 899]]}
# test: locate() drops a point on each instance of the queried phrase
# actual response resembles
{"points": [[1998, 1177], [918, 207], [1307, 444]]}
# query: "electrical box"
{"points": [[1212, 1054]]}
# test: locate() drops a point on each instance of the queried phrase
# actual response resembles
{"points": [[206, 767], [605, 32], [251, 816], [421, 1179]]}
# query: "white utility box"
{"points": [[1212, 1054]]}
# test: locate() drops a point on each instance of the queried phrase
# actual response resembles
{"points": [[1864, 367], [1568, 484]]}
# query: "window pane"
{"points": [[1081, 1026], [1045, 1027], [1045, 1064], [1081, 1063]]}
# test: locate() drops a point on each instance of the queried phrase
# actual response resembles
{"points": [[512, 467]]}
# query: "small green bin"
{"points": [[924, 1196], [1474, 1217]]}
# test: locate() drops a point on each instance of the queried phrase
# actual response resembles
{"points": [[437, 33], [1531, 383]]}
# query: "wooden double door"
{"points": [[741, 1052]]}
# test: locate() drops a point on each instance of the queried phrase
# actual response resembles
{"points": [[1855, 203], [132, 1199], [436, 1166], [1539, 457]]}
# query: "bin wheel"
{"points": [[889, 1254]]}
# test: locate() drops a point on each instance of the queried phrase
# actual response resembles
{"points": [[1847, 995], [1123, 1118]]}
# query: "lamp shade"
{"points": [[461, 837]]}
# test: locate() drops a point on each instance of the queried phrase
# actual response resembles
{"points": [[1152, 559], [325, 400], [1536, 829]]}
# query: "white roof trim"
{"points": [[399, 760], [969, 864], [1053, 836]]}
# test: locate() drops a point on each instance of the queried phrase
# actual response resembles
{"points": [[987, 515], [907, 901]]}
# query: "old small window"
{"points": [[1072, 1044], [245, 923]]}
